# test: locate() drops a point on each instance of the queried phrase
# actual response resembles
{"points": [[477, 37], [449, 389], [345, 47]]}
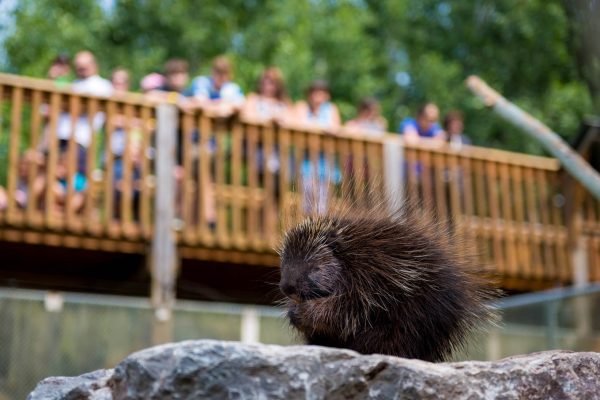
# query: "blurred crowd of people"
{"points": [[218, 95]]}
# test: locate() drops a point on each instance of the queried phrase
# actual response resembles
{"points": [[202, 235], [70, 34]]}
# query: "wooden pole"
{"points": [[393, 152], [572, 162], [163, 261]]}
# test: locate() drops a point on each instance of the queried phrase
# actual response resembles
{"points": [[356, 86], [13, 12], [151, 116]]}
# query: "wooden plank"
{"points": [[533, 221], [205, 187], [2, 90], [90, 212], [299, 140], [239, 238], [284, 177], [548, 239], [467, 174], [439, 170], [494, 206], [508, 201], [221, 136], [359, 166], [33, 215], [51, 160], [71, 164], [270, 209], [146, 175], [109, 173], [524, 267], [16, 116], [188, 187], [413, 175], [457, 185], [127, 188], [348, 168], [252, 208]]}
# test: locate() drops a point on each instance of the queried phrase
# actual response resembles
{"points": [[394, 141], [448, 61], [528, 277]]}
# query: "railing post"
{"points": [[393, 161], [163, 258]]}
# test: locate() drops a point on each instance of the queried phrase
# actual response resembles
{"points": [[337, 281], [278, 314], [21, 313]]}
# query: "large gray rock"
{"points": [[213, 369]]}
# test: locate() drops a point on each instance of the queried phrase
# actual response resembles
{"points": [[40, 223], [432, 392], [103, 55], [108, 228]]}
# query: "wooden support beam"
{"points": [[164, 261], [571, 161]]}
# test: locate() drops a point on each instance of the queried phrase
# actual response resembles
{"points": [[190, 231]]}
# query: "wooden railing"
{"points": [[239, 182]]}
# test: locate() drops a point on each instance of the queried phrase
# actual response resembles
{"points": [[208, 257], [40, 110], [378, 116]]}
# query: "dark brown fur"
{"points": [[379, 281]]}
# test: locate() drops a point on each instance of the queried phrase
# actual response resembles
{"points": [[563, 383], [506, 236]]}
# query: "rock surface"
{"points": [[231, 370]]}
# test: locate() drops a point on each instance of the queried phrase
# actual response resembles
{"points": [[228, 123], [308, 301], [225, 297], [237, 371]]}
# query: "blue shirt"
{"points": [[433, 131], [204, 87]]}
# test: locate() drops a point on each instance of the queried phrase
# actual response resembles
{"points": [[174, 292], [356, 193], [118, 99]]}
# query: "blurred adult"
{"points": [[120, 80], [218, 92], [318, 110], [369, 120], [454, 126], [425, 125], [152, 81], [60, 69], [270, 100], [88, 82], [174, 86]]}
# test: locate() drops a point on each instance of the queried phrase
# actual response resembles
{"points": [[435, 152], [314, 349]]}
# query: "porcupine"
{"points": [[382, 281]]}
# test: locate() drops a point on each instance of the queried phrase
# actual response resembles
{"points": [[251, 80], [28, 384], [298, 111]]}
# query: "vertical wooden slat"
{"points": [[375, 168], [426, 179], [33, 215], [145, 190], [270, 207], [299, 140], [236, 182], [253, 227], [205, 189], [533, 221], [457, 187], [90, 212], [562, 257], [347, 166], [127, 175], [548, 237], [508, 221], [52, 156], [220, 188], [284, 178], [413, 174], [467, 174], [2, 90], [439, 171], [109, 174], [13, 154], [523, 236], [358, 161], [72, 158], [493, 193], [188, 189]]}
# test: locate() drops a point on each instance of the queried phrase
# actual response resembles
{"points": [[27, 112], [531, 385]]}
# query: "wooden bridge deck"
{"points": [[238, 183]]}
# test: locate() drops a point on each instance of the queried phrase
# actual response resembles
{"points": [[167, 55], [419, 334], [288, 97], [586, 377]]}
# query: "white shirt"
{"points": [[94, 85]]}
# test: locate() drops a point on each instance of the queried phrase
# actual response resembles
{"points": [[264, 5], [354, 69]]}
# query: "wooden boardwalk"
{"points": [[239, 182]]}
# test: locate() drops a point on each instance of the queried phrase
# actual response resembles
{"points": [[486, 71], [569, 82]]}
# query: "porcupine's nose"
{"points": [[290, 291]]}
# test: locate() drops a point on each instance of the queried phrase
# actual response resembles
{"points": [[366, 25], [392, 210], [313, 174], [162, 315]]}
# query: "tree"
{"points": [[403, 51]]}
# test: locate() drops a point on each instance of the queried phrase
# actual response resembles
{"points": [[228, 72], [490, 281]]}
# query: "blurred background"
{"points": [[76, 283]]}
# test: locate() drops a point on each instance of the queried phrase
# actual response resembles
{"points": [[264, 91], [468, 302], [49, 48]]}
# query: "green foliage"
{"points": [[403, 51]]}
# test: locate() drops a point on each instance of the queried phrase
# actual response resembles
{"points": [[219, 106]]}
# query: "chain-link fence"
{"points": [[45, 334]]}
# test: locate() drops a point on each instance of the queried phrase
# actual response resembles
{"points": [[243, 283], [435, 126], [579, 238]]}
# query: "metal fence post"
{"points": [[163, 258]]}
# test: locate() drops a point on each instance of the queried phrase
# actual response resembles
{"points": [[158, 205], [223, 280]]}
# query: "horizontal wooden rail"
{"points": [[83, 168]]}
